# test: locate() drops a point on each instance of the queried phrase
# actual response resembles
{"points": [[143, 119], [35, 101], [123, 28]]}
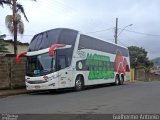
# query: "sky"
{"points": [[96, 18]]}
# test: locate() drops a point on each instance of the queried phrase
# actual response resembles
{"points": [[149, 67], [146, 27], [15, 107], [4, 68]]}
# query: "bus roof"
{"points": [[59, 35], [54, 36]]}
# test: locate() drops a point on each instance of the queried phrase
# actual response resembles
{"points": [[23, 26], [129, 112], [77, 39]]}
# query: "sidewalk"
{"points": [[12, 92]]}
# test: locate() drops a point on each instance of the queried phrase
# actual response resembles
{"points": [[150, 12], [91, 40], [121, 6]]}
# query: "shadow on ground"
{"points": [[70, 90]]}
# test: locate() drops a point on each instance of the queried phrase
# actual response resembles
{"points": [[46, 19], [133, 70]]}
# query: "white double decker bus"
{"points": [[65, 58]]}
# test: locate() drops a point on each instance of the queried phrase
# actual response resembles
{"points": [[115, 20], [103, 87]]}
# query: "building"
{"points": [[156, 70], [21, 47]]}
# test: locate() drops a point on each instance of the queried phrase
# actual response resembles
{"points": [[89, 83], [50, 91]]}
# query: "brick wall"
{"points": [[142, 75], [12, 75]]}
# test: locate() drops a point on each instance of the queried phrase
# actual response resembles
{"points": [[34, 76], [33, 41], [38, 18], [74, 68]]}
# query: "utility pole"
{"points": [[116, 31], [15, 26]]}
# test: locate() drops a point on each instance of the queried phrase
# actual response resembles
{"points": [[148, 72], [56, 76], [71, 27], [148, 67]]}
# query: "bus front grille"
{"points": [[37, 82]]}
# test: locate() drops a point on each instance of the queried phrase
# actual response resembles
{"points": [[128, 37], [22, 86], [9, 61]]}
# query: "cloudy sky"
{"points": [[96, 18]]}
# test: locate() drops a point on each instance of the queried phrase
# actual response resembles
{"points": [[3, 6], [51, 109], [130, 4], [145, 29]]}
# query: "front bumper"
{"points": [[43, 86]]}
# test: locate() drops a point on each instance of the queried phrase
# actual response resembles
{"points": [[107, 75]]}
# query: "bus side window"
{"points": [[68, 61], [61, 62]]}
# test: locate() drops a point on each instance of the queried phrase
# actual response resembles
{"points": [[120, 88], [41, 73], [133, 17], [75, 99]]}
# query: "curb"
{"points": [[12, 92]]}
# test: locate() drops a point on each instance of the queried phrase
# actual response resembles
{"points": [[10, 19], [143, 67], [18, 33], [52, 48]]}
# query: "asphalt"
{"points": [[24, 91], [139, 97]]}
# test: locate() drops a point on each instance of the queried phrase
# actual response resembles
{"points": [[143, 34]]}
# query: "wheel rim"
{"points": [[122, 80], [78, 84], [117, 82]]}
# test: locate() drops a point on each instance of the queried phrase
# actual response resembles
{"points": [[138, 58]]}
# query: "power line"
{"points": [[20, 35], [85, 33], [130, 39], [101, 30], [122, 43], [141, 33], [127, 31]]}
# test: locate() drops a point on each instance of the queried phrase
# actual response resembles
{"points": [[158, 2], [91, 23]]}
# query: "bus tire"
{"points": [[79, 84], [121, 80], [117, 80]]}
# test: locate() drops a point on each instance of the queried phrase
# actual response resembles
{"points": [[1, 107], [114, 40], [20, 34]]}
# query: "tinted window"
{"points": [[67, 53], [46, 39], [61, 62], [87, 42], [40, 65]]}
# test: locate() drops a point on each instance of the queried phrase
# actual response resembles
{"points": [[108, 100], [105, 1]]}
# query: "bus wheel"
{"points": [[117, 81], [121, 80], [78, 83]]}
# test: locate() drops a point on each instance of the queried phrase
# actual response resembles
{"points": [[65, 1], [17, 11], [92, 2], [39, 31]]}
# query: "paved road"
{"points": [[139, 97]]}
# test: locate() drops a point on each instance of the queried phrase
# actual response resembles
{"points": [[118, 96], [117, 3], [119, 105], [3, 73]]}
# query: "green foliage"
{"points": [[14, 22], [19, 7], [3, 47], [9, 24], [138, 57], [7, 2]]}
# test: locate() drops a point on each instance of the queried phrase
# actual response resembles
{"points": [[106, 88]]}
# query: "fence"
{"points": [[142, 75], [12, 75]]}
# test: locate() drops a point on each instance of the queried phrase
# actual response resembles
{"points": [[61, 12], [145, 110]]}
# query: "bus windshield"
{"points": [[40, 65]]}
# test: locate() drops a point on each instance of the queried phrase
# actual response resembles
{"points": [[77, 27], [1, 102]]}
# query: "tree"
{"points": [[20, 25], [138, 57], [3, 47], [14, 22], [6, 2]]}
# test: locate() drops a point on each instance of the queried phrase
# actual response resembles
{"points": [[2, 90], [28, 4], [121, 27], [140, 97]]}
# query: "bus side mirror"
{"points": [[18, 57], [53, 47]]}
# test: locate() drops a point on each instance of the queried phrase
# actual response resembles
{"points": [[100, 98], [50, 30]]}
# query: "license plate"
{"points": [[37, 86]]}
